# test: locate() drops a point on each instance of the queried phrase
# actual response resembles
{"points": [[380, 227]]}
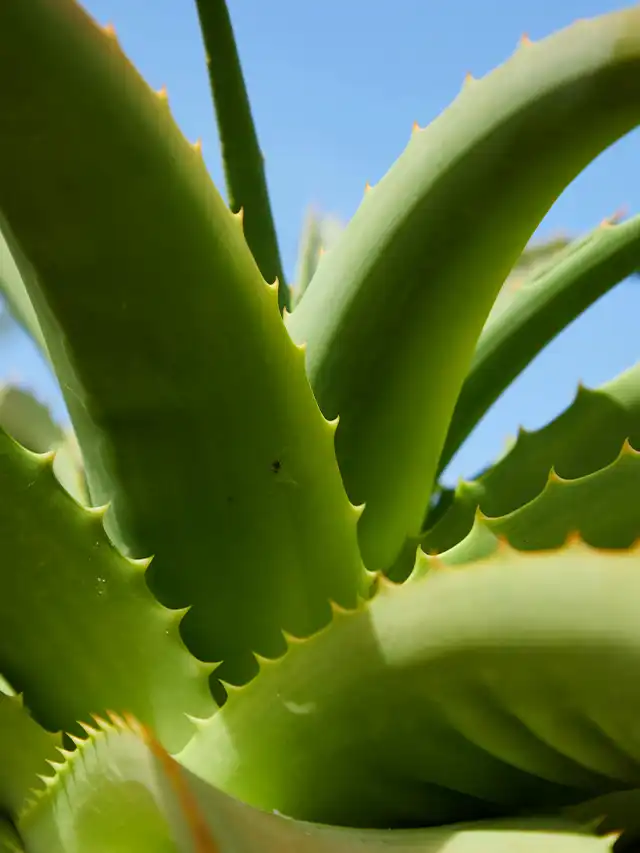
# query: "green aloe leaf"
{"points": [[81, 632], [14, 292], [538, 254], [544, 304], [241, 155], [121, 792], [28, 420], [394, 311], [602, 507], [212, 451], [25, 750], [508, 665], [319, 233], [31, 423], [308, 253], [585, 438]]}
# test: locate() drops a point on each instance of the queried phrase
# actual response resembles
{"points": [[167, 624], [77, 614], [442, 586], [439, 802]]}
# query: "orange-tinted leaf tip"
{"points": [[367, 187], [163, 94], [100, 722], [116, 720], [615, 218], [197, 146], [525, 40], [416, 127], [110, 30]]}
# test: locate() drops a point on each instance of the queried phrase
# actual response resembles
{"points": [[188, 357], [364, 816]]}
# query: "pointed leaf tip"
{"points": [[628, 449], [554, 477], [615, 218], [574, 540]]}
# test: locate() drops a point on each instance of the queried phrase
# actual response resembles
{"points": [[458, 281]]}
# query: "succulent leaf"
{"points": [[25, 750], [550, 298], [241, 154], [122, 792], [199, 426], [30, 423], [27, 420], [319, 233], [15, 294], [490, 703], [393, 314], [81, 632], [602, 507], [585, 438], [507, 664], [538, 254]]}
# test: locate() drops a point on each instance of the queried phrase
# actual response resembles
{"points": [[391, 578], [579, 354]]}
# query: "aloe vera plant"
{"points": [[233, 616]]}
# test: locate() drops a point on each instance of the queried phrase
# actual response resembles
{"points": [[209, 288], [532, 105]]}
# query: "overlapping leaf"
{"points": [[545, 302], [585, 438], [469, 692], [393, 314], [190, 402], [122, 792], [81, 632]]}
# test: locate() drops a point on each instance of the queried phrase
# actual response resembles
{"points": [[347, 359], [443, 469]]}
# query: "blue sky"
{"points": [[335, 88]]}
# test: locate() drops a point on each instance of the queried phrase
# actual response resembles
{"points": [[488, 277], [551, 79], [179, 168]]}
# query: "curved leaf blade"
{"points": [[13, 290], [585, 438], [602, 507], [319, 233], [31, 424], [28, 420], [545, 303], [241, 155], [508, 664], [80, 630], [393, 314], [25, 750], [213, 453], [123, 792]]}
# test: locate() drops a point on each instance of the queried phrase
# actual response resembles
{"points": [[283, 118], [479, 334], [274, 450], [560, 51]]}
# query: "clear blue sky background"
{"points": [[335, 87]]}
